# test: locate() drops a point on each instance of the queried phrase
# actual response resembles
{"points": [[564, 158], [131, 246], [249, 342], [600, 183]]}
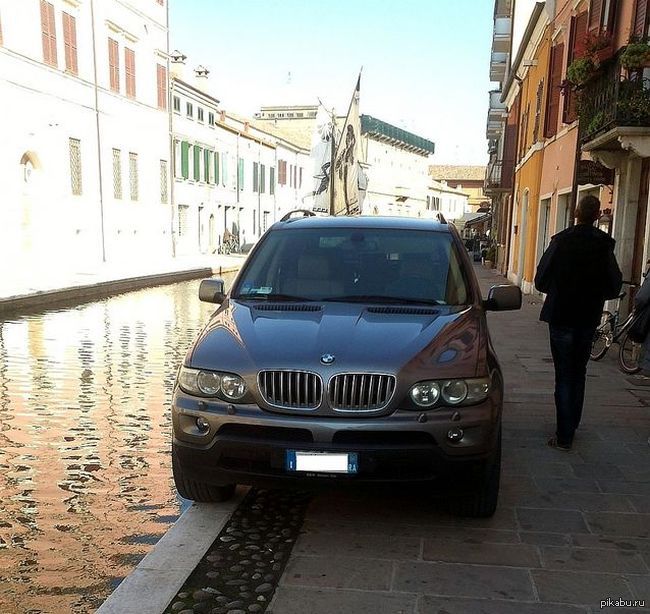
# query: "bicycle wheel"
{"points": [[629, 354], [602, 337]]}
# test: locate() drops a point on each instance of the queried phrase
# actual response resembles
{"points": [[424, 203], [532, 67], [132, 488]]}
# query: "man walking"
{"points": [[578, 272]]}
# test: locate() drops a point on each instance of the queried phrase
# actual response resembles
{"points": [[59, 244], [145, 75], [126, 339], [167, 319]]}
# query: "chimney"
{"points": [[201, 77], [178, 64]]}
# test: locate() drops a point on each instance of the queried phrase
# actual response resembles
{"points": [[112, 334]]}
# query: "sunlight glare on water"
{"points": [[85, 467]]}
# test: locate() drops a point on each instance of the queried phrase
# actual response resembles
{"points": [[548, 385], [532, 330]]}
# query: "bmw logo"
{"points": [[327, 359]]}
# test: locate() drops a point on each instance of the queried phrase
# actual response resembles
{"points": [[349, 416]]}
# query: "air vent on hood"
{"points": [[415, 311], [287, 307]]}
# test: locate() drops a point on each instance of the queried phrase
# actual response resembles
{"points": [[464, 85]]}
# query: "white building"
{"points": [[85, 126], [453, 203]]}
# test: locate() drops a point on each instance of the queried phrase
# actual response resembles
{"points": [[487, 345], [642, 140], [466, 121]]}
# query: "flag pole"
{"points": [[332, 160]]}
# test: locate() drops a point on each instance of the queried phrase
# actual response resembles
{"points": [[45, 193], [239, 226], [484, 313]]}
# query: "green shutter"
{"points": [[255, 177], [206, 165], [185, 164], [216, 167], [272, 181], [197, 163]]}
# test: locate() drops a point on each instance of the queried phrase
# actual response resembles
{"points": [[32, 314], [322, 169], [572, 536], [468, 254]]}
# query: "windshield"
{"points": [[355, 264]]}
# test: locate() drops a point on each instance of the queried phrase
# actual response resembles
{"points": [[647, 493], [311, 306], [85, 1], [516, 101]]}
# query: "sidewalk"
{"points": [[28, 287], [572, 529]]}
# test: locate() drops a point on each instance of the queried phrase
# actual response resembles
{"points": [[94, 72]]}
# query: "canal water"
{"points": [[85, 436]]}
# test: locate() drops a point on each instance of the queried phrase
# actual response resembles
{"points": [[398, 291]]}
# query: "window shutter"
{"points": [[48, 33], [129, 71], [262, 178], [553, 94], [272, 180], [216, 167], [185, 160], [161, 78], [197, 163], [70, 43], [577, 44], [114, 65], [595, 15], [206, 164], [255, 177], [640, 18]]}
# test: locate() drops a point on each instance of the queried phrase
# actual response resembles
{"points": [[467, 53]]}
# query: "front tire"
{"points": [[195, 490], [602, 337], [628, 355], [483, 502]]}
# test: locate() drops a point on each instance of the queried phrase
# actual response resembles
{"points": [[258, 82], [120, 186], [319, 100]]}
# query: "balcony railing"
{"points": [[612, 100], [498, 177]]}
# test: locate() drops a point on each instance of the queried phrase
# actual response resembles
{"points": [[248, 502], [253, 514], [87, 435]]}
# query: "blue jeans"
{"points": [[570, 348]]}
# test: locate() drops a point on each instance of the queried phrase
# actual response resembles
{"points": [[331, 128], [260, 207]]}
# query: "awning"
{"points": [[480, 218]]}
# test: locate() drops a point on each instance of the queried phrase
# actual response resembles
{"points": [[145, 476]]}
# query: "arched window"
{"points": [[28, 164]]}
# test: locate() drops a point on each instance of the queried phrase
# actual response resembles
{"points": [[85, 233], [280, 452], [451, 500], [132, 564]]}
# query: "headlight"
{"points": [[208, 382], [187, 381], [211, 384], [450, 392], [454, 392], [425, 394], [233, 387]]}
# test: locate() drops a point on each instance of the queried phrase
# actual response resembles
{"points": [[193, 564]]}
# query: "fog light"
{"points": [[202, 424], [455, 434]]}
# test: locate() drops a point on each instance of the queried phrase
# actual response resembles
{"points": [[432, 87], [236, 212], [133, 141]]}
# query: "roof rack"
{"points": [[441, 218], [305, 213]]}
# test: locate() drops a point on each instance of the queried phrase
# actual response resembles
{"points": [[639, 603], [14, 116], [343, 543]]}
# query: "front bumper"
{"points": [[247, 445]]}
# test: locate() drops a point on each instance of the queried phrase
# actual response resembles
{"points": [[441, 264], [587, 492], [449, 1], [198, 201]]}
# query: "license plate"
{"points": [[322, 462]]}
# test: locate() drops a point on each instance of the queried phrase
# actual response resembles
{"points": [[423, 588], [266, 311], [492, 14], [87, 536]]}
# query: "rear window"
{"points": [[334, 263]]}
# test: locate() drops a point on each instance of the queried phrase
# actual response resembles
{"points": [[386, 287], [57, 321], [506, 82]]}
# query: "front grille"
{"points": [[360, 391], [291, 389]]}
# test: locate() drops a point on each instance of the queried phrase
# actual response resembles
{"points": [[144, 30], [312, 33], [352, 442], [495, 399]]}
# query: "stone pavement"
{"points": [[572, 529]]}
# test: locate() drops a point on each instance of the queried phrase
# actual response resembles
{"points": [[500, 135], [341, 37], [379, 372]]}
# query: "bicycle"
{"points": [[611, 330]]}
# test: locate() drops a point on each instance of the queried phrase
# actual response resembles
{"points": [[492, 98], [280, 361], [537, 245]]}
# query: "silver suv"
{"points": [[350, 349]]}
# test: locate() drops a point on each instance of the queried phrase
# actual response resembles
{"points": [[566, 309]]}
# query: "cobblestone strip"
{"points": [[240, 571]]}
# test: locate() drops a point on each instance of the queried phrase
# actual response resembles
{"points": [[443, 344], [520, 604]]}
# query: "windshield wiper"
{"points": [[377, 298], [271, 297]]}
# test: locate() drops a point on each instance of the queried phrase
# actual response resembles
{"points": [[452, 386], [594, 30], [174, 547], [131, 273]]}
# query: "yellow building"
{"points": [[526, 88]]}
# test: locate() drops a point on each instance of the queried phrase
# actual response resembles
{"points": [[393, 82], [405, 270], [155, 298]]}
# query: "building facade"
{"points": [[85, 127], [575, 65]]}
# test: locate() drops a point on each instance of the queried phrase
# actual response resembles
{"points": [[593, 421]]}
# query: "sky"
{"points": [[425, 62]]}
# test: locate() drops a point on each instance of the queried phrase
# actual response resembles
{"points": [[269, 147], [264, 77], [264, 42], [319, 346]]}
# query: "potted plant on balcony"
{"points": [[580, 71], [636, 55], [598, 47]]}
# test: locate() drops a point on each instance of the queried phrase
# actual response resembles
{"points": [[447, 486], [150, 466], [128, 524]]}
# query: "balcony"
{"points": [[498, 176], [498, 65], [613, 106], [501, 36], [502, 8]]}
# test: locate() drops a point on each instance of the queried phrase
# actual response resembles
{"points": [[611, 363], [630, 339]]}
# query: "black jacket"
{"points": [[578, 272]]}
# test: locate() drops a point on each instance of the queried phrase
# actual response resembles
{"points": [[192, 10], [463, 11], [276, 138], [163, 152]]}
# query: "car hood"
{"points": [[428, 342]]}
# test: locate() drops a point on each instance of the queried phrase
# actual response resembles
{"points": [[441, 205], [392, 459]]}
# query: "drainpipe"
{"points": [[99, 147], [172, 152]]}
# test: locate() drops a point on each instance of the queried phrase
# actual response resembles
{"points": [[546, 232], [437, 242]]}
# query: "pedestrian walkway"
{"points": [[572, 529], [30, 285]]}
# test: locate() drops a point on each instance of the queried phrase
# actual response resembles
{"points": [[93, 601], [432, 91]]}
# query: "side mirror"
{"points": [[503, 298], [212, 291]]}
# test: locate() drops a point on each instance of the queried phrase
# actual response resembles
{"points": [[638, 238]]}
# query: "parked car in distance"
{"points": [[349, 349]]}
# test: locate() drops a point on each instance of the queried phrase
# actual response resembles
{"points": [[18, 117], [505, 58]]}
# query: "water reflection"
{"points": [[85, 431]]}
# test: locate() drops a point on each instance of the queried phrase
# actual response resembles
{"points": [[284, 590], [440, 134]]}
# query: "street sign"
{"points": [[594, 173]]}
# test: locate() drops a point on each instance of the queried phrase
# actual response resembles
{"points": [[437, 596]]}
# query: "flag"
{"points": [[347, 161], [321, 155]]}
